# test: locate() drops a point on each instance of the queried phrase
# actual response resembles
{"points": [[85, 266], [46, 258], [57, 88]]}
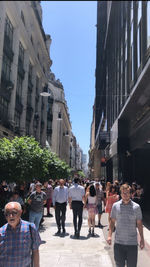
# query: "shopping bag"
{"points": [[85, 214]]}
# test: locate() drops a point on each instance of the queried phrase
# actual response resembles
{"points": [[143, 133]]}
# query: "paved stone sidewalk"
{"points": [[66, 251]]}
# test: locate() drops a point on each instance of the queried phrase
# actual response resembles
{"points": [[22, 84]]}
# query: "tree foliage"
{"points": [[23, 159]]}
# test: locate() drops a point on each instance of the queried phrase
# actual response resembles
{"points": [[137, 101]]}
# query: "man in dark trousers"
{"points": [[60, 200], [76, 202]]}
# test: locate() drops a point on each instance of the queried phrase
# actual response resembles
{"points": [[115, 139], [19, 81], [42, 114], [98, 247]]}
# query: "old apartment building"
{"points": [[24, 69]]}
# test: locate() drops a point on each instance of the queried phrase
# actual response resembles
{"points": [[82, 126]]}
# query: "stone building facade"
{"points": [[59, 138], [24, 69]]}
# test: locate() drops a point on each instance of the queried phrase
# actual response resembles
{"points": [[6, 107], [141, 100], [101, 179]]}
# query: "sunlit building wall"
{"points": [[24, 68]]}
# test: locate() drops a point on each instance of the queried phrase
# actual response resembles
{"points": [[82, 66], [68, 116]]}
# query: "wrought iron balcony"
{"points": [[50, 100], [6, 83], [29, 112], [8, 47], [5, 93], [49, 116], [19, 106], [36, 116], [17, 130], [30, 84], [42, 124], [4, 119], [49, 131], [21, 70]]}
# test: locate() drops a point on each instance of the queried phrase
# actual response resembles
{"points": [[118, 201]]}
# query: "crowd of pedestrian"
{"points": [[123, 203]]}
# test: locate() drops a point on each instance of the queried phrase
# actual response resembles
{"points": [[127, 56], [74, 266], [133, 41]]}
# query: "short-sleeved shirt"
{"points": [[37, 204], [15, 244], [76, 192], [100, 196], [126, 216]]}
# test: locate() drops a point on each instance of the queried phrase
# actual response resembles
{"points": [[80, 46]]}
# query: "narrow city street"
{"points": [[66, 251]]}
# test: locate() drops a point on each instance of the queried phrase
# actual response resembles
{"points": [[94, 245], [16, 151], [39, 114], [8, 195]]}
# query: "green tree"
{"points": [[23, 159]]}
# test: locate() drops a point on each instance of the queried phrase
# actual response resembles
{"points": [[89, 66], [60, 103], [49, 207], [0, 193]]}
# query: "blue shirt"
{"points": [[15, 244], [60, 194], [76, 192]]}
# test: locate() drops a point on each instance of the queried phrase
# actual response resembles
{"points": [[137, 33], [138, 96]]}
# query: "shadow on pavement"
{"points": [[43, 242], [146, 218], [80, 238]]}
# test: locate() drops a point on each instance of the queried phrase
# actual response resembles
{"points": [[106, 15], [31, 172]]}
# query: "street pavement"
{"points": [[66, 251]]}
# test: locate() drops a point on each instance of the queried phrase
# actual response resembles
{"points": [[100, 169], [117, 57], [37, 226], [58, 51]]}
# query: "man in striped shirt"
{"points": [[17, 239], [128, 216]]}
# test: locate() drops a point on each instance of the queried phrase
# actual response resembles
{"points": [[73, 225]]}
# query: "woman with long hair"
{"points": [[111, 198], [91, 207]]}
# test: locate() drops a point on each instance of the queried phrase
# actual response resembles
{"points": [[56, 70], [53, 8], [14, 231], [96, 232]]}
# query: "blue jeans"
{"points": [[125, 254], [35, 217]]}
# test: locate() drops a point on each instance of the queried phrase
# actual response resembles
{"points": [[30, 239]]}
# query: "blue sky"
{"points": [[72, 26]]}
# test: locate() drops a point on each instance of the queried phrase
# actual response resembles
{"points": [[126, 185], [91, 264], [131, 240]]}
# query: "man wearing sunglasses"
{"points": [[18, 238]]}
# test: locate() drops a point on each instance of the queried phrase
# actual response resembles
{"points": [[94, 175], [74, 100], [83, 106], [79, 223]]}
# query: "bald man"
{"points": [[60, 199], [17, 239]]}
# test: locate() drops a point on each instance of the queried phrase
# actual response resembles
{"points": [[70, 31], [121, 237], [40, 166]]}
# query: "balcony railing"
{"points": [[42, 124], [29, 112], [5, 93], [4, 119], [21, 70], [49, 131], [19, 106], [30, 84], [8, 47], [50, 116]]}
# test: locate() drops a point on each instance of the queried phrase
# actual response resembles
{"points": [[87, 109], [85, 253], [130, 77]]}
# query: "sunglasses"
{"points": [[13, 213]]}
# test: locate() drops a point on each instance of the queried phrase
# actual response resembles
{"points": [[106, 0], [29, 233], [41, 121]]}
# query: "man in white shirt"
{"points": [[60, 199], [76, 202]]}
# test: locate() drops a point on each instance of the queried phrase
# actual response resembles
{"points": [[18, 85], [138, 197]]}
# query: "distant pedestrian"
{"points": [[17, 239], [37, 200], [76, 202], [100, 200], [128, 216], [60, 200], [49, 195]]}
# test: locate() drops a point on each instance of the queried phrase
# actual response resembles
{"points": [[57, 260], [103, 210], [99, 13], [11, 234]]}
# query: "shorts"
{"points": [[99, 208]]}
